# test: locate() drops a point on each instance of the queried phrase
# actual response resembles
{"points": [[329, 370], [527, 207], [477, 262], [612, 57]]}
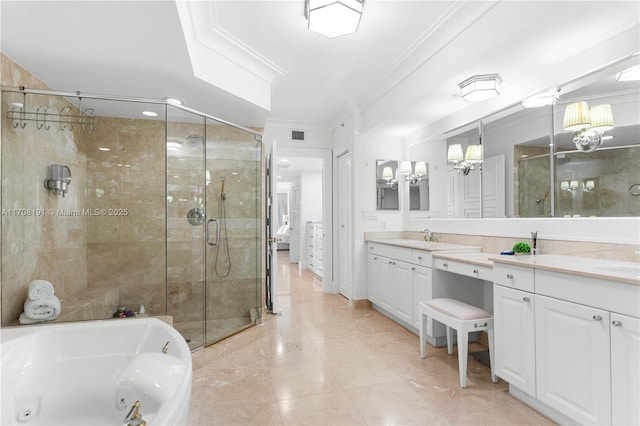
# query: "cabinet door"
{"points": [[514, 337], [421, 278], [372, 277], [625, 370], [573, 359], [385, 283], [403, 289]]}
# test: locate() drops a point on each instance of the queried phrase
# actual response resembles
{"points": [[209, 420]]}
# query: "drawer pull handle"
{"points": [[475, 271], [525, 299], [445, 265], [419, 257], [510, 276], [616, 323], [390, 263], [413, 269], [597, 317], [479, 325]]}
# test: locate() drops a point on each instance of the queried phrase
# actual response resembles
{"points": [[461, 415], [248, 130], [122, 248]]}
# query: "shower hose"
{"points": [[222, 214]]}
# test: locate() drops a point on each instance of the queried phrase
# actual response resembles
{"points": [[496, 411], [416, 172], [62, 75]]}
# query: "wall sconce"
{"points": [[409, 175], [59, 179], [464, 164], [480, 87], [588, 124], [589, 186], [387, 175], [333, 18], [569, 186]]}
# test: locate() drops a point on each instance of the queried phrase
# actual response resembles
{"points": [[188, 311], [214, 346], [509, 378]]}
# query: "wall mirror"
{"points": [[387, 197], [416, 173], [544, 173], [463, 179]]}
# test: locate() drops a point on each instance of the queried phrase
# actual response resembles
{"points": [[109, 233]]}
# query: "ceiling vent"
{"points": [[297, 135]]}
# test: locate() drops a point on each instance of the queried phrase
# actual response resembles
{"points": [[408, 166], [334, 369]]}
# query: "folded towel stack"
{"points": [[41, 304]]}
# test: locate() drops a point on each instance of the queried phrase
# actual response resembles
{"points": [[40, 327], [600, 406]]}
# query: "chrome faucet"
{"points": [[429, 237], [134, 418]]}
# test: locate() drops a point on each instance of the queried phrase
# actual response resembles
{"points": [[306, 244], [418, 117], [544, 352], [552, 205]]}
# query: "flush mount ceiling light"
{"points": [[588, 124], [174, 101], [480, 87], [333, 18], [631, 74]]}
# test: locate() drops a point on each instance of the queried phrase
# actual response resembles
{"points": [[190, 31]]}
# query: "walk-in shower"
{"points": [[133, 226]]}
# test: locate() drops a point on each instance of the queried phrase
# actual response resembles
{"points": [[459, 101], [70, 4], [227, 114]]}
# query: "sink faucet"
{"points": [[134, 418], [429, 237]]}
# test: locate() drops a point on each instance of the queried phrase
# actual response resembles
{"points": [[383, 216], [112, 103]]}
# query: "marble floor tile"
{"points": [[322, 362]]}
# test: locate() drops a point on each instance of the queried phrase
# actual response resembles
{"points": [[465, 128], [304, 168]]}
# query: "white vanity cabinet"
{"points": [[569, 341], [625, 370], [514, 337], [573, 360], [390, 280]]}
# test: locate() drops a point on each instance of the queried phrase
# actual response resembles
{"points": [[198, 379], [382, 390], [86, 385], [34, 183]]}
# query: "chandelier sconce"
{"points": [[464, 164], [588, 124], [409, 174]]}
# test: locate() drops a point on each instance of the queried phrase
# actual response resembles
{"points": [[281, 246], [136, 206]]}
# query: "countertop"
{"points": [[628, 272], [422, 245]]}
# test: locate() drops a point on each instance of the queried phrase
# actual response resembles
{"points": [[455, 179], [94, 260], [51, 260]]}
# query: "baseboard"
{"points": [[540, 406]]}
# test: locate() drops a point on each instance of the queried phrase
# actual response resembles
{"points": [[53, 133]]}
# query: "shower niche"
{"points": [[121, 235]]}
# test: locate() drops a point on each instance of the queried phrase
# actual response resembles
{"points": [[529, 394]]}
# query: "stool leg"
{"points": [[423, 333], [463, 351], [492, 362], [449, 340]]}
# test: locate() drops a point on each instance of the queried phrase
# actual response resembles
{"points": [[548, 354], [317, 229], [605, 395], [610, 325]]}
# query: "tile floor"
{"points": [[321, 362]]}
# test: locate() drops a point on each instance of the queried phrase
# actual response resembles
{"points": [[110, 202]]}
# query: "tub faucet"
{"points": [[134, 418], [429, 237]]}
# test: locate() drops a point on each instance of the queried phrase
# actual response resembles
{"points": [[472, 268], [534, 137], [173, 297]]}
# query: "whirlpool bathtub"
{"points": [[92, 373]]}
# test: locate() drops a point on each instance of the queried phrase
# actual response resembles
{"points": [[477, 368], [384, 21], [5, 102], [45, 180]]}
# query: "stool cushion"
{"points": [[457, 309]]}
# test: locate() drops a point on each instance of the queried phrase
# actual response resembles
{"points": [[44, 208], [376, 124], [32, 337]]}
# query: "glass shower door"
{"points": [[233, 291], [185, 204]]}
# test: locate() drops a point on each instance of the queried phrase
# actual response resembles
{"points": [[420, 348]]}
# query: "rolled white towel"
{"points": [[40, 289], [40, 310]]}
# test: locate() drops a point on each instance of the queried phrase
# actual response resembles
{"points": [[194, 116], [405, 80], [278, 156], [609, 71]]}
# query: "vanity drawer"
{"points": [[394, 252], [463, 268], [520, 277], [422, 258]]}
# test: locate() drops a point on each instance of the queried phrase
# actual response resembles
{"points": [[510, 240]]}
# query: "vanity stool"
{"points": [[464, 319]]}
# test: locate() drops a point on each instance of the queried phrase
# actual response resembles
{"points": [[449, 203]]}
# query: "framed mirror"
{"points": [[387, 196]]}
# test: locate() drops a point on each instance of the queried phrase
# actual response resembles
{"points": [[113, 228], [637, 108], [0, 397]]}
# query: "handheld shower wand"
{"points": [[223, 195]]}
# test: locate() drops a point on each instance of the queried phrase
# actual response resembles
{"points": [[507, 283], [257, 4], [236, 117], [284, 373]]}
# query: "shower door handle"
{"points": [[217, 232]]}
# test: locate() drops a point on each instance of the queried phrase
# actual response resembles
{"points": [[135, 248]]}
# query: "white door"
{"points": [[573, 360], [515, 337], [271, 231], [625, 370], [294, 226], [344, 224]]}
